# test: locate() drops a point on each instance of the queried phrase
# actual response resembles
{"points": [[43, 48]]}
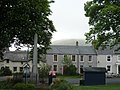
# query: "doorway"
{"points": [[119, 69]]}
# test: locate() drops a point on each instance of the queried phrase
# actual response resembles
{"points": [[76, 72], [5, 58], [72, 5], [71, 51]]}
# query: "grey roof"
{"points": [[15, 55], [62, 49], [108, 51], [87, 50], [94, 69]]}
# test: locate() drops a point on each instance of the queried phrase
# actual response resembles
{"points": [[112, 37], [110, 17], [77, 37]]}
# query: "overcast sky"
{"points": [[69, 20]]}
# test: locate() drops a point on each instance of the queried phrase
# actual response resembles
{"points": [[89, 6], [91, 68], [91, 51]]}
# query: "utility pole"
{"points": [[35, 78]]}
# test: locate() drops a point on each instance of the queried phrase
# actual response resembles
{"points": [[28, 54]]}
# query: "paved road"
{"points": [[75, 81], [108, 80], [113, 80]]}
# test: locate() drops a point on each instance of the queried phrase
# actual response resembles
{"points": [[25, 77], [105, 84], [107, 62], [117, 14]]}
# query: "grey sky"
{"points": [[69, 20]]}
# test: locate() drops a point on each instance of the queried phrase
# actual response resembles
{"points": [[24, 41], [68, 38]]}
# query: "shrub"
{"points": [[59, 84], [5, 71], [59, 74], [6, 84], [70, 70], [24, 86], [17, 77]]}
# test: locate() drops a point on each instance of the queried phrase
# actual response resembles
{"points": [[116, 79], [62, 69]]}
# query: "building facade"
{"points": [[109, 58], [81, 56], [15, 60]]}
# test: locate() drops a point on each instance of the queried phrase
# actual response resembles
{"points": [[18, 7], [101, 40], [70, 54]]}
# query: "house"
{"points": [[81, 56], [109, 58], [14, 60]]}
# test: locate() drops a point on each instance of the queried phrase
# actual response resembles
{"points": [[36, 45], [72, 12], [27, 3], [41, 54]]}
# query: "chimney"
{"points": [[76, 43]]}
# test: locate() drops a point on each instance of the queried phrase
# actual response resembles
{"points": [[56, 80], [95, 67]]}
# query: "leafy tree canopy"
{"points": [[104, 21], [67, 61], [21, 19]]}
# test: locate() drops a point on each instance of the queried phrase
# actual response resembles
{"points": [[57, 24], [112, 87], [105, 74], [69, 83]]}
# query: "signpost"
{"points": [[26, 71]]}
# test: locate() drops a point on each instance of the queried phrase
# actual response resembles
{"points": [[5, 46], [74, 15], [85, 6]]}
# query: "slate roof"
{"points": [[86, 50], [74, 50], [15, 55], [108, 51]]}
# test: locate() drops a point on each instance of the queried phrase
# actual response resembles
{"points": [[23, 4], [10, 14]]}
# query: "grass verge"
{"points": [[98, 87]]}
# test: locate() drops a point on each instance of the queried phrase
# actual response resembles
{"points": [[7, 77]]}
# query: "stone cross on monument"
{"points": [[35, 75]]}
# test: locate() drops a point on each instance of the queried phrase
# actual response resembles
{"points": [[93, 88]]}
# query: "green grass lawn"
{"points": [[99, 87]]}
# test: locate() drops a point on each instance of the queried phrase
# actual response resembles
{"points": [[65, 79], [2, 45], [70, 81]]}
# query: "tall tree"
{"points": [[67, 61], [21, 19], [104, 21]]}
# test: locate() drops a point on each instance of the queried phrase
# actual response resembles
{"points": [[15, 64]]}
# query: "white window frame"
{"points": [[54, 58], [53, 67], [110, 68], [118, 58], [80, 58], [75, 65], [20, 69], [15, 69], [89, 58], [75, 58], [110, 58]]}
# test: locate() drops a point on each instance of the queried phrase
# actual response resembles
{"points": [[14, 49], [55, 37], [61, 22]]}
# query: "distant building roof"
{"points": [[108, 51], [62, 49], [15, 55]]}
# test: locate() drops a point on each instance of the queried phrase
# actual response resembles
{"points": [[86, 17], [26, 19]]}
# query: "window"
{"points": [[55, 67], [73, 57], [108, 58], [108, 68], [21, 62], [7, 67], [81, 68], [7, 61], [21, 69], [90, 65], [14, 68], [38, 61], [55, 58], [65, 56], [75, 65], [118, 58], [81, 59], [90, 58]]}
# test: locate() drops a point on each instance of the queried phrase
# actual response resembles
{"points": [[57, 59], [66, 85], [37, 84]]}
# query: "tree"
{"points": [[67, 61], [104, 21], [69, 68], [43, 71], [21, 19], [41, 55]]}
